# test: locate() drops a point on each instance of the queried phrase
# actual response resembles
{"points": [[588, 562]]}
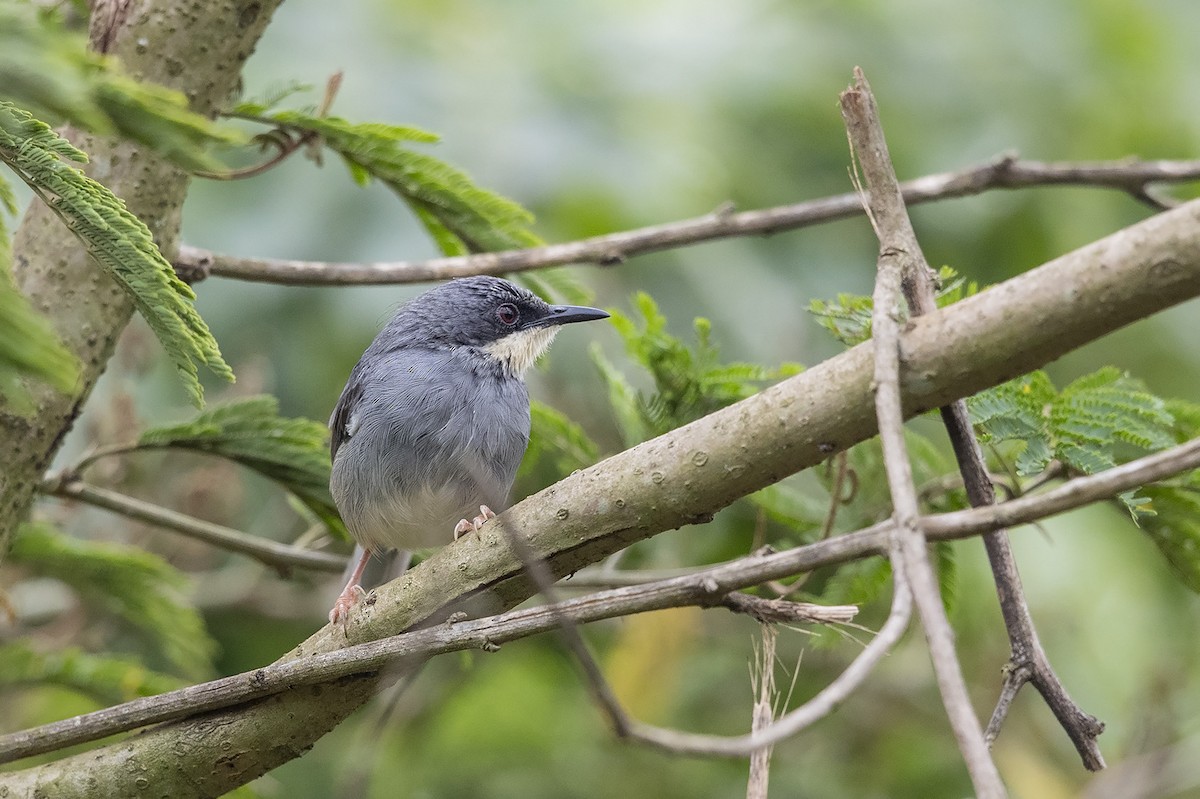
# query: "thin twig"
{"points": [[676, 592], [763, 681], [900, 253], [281, 557], [286, 142], [1003, 172]]}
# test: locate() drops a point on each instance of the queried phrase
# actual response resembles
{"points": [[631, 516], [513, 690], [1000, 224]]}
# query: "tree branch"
{"points": [[281, 557], [900, 253], [53, 269], [692, 589], [1004, 172], [678, 478]]}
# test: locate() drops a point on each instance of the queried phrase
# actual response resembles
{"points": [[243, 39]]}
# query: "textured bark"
{"points": [[680, 478], [197, 48]]}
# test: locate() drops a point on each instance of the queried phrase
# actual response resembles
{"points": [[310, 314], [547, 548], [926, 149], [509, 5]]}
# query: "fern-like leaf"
{"points": [[848, 318], [291, 451], [108, 679], [29, 347], [460, 216], [556, 439], [136, 586], [116, 239], [1085, 426], [689, 381], [49, 70]]}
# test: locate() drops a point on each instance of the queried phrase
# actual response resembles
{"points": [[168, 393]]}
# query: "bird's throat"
{"points": [[518, 351]]}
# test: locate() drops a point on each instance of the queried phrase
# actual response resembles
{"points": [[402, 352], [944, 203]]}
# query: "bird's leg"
{"points": [[464, 526], [351, 594]]}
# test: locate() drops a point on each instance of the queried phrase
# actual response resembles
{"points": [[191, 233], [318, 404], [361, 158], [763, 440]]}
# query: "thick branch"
{"points": [[679, 478], [691, 589], [900, 253], [1004, 172], [52, 268]]}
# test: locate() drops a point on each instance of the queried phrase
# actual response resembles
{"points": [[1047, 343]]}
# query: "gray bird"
{"points": [[434, 419]]}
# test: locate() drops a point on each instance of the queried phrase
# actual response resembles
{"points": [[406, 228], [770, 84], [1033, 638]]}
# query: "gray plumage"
{"points": [[434, 419]]}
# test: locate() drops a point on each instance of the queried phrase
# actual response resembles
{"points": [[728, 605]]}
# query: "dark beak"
{"points": [[564, 314]]}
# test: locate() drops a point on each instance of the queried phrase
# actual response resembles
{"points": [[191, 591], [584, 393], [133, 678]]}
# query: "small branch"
{"points": [[694, 589], [763, 679], [286, 142], [899, 254], [281, 557], [781, 611], [1004, 172]]}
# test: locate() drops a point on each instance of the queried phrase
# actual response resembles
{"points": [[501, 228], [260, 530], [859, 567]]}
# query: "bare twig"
{"points": [[781, 611], [285, 142], [281, 557], [763, 681], [694, 589], [899, 254], [1003, 172]]}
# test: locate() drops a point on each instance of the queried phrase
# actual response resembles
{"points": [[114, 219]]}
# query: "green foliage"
{"points": [[1174, 525], [116, 239], [1084, 426], [688, 382], [29, 347], [139, 588], [556, 286], [556, 440], [848, 318], [460, 216], [50, 71], [291, 451], [108, 679]]}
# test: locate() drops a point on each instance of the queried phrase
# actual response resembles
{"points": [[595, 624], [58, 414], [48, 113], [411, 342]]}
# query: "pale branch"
{"points": [[1029, 660], [679, 478], [795, 721], [693, 589], [900, 253], [763, 682], [281, 557], [1004, 172], [54, 270]]}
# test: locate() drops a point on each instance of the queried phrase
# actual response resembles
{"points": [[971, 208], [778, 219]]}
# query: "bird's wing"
{"points": [[342, 422]]}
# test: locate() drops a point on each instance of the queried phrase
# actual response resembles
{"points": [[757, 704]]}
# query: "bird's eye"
{"points": [[508, 314]]}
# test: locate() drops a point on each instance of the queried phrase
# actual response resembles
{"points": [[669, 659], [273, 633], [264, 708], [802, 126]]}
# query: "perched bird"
{"points": [[434, 419]]}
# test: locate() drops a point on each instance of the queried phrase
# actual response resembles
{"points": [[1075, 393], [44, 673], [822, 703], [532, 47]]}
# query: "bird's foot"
{"points": [[350, 596], [464, 526]]}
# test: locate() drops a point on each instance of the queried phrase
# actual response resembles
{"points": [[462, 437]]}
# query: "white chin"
{"points": [[519, 351]]}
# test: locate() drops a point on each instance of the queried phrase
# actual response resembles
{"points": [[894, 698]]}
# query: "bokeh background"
{"points": [[605, 116]]}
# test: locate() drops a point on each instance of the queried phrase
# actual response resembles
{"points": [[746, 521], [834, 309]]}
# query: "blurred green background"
{"points": [[601, 117]]}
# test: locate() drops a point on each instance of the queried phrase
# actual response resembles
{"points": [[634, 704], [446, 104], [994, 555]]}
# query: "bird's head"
{"points": [[489, 314]]}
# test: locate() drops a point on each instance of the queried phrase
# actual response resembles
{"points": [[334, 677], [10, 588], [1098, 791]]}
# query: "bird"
{"points": [[434, 419]]}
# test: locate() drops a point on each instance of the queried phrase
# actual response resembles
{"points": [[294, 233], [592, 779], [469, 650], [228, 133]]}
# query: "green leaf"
{"points": [[801, 513], [556, 286], [108, 679], [291, 451], [858, 583], [848, 318], [1174, 525], [29, 347], [689, 382], [116, 239], [1087, 426], [622, 397], [136, 586], [48, 69], [556, 439], [460, 216]]}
